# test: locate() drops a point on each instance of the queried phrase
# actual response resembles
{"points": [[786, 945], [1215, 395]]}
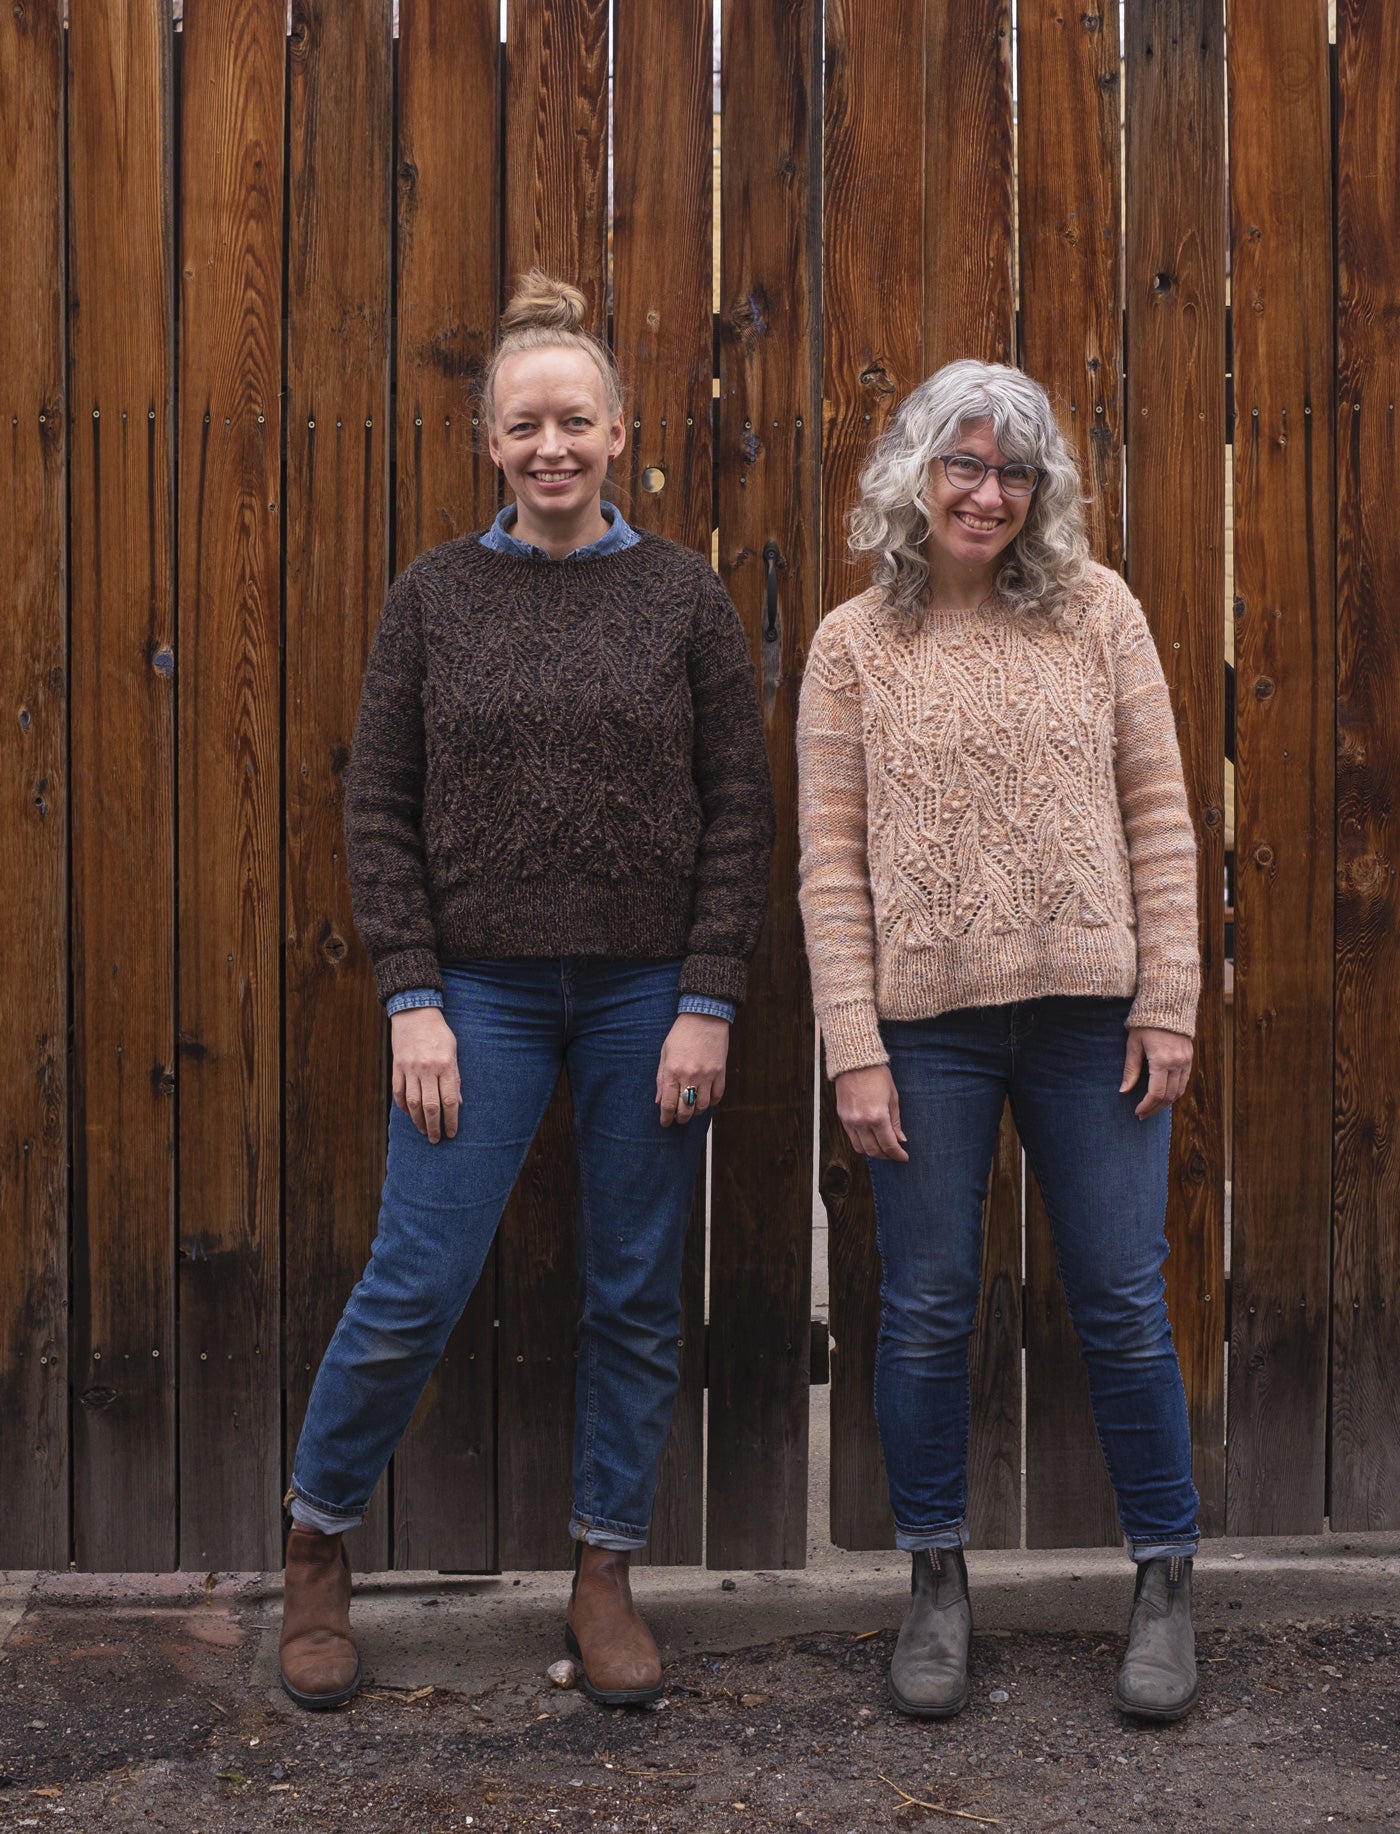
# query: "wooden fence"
{"points": [[251, 266]]}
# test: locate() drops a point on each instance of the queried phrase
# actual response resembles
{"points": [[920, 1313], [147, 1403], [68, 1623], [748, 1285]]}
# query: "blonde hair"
{"points": [[1045, 563], [548, 314]]}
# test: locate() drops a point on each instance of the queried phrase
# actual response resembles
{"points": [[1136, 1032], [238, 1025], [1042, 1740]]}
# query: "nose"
{"points": [[988, 494], [551, 439]]}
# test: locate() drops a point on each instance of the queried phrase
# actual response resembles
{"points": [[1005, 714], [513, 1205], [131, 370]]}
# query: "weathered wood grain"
{"points": [[34, 1469], [1175, 281], [556, 144], [1071, 338], [556, 217], [662, 236], [968, 183], [337, 553], [122, 673], [1071, 279], [1365, 1473], [447, 289], [873, 354], [230, 782], [769, 457], [1281, 191]]}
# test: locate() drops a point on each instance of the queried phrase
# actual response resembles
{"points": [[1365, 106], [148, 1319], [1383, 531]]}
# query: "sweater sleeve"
{"points": [[730, 765], [1157, 825], [384, 804], [838, 913]]}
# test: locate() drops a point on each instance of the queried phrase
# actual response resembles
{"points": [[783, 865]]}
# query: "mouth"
{"points": [[980, 525], [553, 477]]}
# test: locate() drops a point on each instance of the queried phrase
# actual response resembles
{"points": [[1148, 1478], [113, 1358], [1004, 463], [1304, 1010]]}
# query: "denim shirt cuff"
{"points": [[411, 998], [709, 1008]]}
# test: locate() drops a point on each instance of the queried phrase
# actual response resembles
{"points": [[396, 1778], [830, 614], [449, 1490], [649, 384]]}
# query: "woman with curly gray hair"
{"points": [[999, 896]]}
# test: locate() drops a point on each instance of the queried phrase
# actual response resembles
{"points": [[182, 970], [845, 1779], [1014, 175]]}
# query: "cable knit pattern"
{"points": [[559, 758], [992, 810]]}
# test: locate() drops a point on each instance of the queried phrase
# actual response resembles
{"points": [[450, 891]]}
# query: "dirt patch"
{"points": [[114, 1719]]}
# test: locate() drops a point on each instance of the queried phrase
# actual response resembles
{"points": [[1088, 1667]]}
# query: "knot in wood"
{"points": [[1263, 688], [877, 377]]}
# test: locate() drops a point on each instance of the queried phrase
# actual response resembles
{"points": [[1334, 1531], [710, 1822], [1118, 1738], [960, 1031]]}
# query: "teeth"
{"points": [[974, 522]]}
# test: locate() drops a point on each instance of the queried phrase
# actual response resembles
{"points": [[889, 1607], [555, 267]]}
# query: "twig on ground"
{"points": [[939, 1808], [865, 1636]]}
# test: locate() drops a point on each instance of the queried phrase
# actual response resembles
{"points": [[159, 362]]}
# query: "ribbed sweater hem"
{"points": [[1001, 971], [635, 919]]}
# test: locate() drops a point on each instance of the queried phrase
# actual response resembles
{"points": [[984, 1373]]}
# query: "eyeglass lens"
{"points": [[967, 472]]}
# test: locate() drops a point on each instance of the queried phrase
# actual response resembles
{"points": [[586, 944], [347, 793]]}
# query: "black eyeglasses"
{"points": [[964, 472]]}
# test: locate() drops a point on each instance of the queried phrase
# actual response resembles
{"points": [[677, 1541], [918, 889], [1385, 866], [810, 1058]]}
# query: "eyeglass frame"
{"points": [[1010, 465]]}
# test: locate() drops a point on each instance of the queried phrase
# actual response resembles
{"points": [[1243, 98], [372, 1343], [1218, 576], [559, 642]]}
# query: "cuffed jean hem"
{"points": [[616, 1537], [318, 1516], [919, 1540], [1140, 1551]]}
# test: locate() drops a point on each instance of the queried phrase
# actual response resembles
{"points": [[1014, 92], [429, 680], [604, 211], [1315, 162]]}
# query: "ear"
{"points": [[494, 448], [617, 436]]}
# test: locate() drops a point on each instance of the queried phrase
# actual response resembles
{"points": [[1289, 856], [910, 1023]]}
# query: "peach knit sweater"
{"points": [[991, 810]]}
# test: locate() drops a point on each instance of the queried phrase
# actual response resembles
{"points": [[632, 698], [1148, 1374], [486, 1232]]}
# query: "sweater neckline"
{"points": [[528, 564]]}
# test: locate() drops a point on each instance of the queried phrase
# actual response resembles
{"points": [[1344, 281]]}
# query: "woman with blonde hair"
{"points": [[999, 896], [558, 823]]}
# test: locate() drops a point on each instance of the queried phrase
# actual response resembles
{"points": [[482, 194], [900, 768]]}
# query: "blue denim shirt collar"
{"points": [[619, 536]]}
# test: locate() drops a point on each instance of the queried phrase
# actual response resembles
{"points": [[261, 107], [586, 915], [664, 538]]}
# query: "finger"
{"points": [[413, 1100], [399, 1082], [885, 1140], [432, 1110], [1156, 1094], [704, 1094], [1132, 1064], [899, 1132], [670, 1098], [451, 1087]]}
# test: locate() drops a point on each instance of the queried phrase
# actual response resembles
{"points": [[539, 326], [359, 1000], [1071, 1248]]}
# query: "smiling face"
{"points": [[553, 437], [969, 530]]}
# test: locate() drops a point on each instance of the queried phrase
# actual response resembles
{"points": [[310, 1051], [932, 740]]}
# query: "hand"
{"points": [[426, 1084], [868, 1104], [693, 1057], [1168, 1056]]}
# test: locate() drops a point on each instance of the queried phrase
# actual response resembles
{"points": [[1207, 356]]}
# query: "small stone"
{"points": [[562, 1673], [998, 1697], [753, 1700], [729, 1585]]}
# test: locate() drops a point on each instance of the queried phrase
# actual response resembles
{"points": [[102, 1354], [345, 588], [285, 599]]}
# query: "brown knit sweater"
{"points": [[992, 810], [559, 758]]}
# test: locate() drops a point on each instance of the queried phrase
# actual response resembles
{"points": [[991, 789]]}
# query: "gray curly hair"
{"points": [[1047, 560]]}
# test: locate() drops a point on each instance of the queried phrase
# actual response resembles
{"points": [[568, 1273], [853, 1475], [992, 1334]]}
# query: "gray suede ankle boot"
{"points": [[928, 1676], [1158, 1676]]}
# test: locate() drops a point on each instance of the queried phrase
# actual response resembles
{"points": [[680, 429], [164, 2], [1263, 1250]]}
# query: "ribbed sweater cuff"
{"points": [[719, 977], [851, 1035], [409, 968], [1167, 994]]}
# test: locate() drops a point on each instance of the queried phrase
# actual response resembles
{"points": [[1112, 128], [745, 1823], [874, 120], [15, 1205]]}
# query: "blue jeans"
{"points": [[1103, 1175], [517, 1024]]}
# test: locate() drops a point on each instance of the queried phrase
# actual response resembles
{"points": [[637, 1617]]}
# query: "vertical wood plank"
{"points": [[1175, 59], [1281, 209], [556, 217], [122, 769], [969, 311], [769, 456], [1071, 337], [968, 183], [1366, 1252], [336, 577], [873, 354], [556, 144], [34, 1471], [662, 236], [447, 290], [230, 782]]}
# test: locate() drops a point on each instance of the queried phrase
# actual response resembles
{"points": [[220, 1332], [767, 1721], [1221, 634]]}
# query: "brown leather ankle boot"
{"points": [[603, 1632], [320, 1664]]}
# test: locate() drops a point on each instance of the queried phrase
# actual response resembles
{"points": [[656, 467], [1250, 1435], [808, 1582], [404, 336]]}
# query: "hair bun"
{"points": [[541, 300]]}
